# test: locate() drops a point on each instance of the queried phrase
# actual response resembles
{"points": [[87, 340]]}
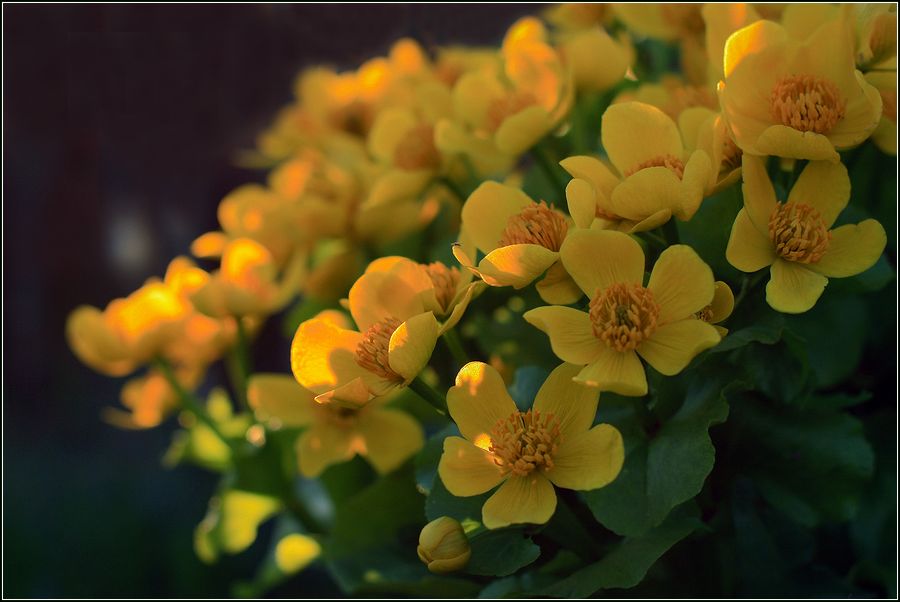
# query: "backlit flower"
{"points": [[627, 319], [526, 453], [795, 237], [708, 131]]}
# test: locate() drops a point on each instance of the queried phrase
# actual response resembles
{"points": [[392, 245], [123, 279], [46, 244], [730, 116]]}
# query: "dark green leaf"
{"points": [[441, 502], [426, 461], [501, 552]]}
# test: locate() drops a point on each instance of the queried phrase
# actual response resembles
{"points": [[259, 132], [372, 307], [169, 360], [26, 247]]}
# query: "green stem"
{"points": [[454, 188], [551, 172], [670, 232], [655, 238], [426, 392], [748, 283], [190, 403], [572, 532], [454, 344], [239, 364]]}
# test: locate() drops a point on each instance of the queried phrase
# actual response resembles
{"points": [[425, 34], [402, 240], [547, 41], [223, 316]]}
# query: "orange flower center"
{"points": [[623, 315], [354, 118], [445, 281], [372, 351], [536, 224], [507, 106], [673, 164], [686, 18], [524, 442], [807, 103], [416, 149], [799, 232], [705, 314]]}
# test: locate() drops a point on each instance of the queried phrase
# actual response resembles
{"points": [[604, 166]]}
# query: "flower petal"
{"points": [[516, 265], [323, 445], [377, 296], [594, 171], [597, 259], [323, 356], [557, 286], [356, 393], [528, 499], [280, 396], [618, 372], [388, 130], [582, 202], [672, 346], [478, 401], [572, 403], [589, 459], [853, 249], [634, 132], [824, 186], [681, 282], [487, 211], [748, 249], [571, 333], [411, 345], [788, 143], [646, 192], [723, 302], [466, 469], [759, 194], [390, 438], [793, 287], [521, 131]]}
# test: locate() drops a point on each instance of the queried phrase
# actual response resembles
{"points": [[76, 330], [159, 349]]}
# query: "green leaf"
{"points": [[526, 383], [766, 329], [812, 465], [780, 371], [668, 468], [708, 231], [441, 502], [426, 461], [627, 563], [501, 552]]}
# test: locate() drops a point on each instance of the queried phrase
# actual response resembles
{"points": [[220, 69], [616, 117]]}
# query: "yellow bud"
{"points": [[443, 546]]}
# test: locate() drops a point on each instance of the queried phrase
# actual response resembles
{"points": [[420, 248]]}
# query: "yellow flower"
{"points": [[248, 282], [723, 19], [671, 95], [796, 99], [526, 453], [520, 239], [876, 33], [719, 309], [795, 237], [350, 367], [149, 400], [507, 109], [653, 176], [707, 130], [626, 318], [443, 546], [333, 434], [598, 62], [573, 16], [444, 291], [885, 135]]}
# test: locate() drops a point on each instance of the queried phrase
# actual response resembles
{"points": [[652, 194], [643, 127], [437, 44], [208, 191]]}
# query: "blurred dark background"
{"points": [[121, 128]]}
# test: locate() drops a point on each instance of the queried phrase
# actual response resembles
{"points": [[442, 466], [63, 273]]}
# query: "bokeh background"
{"points": [[121, 129]]}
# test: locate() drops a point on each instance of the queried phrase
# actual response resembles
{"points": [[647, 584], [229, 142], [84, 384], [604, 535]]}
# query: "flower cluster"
{"points": [[410, 203]]}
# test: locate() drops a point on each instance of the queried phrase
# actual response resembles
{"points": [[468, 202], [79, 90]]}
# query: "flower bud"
{"points": [[443, 546]]}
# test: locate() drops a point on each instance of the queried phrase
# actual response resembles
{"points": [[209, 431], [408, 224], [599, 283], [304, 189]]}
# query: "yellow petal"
{"points": [[759, 194], [95, 344], [671, 347], [748, 249], [594, 171], [521, 131], [582, 202], [323, 356], [209, 245], [788, 143], [722, 304], [750, 40], [388, 130], [295, 552], [473, 95], [529, 499], [824, 186], [323, 445], [801, 20], [863, 113], [649, 223], [391, 437], [557, 287], [646, 192], [597, 61], [487, 211], [853, 249], [698, 172], [597, 259], [279, 396], [571, 334], [397, 185], [682, 284], [466, 469], [478, 400], [411, 345], [634, 132], [356, 393], [572, 403], [793, 287], [618, 372], [723, 19], [588, 459], [516, 265], [376, 296]]}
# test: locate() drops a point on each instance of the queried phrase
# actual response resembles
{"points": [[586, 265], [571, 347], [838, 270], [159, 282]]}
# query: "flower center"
{"points": [[799, 232], [686, 18], [372, 351], [705, 314], [623, 315], [445, 281], [338, 415], [524, 442], [807, 103], [417, 150], [536, 224], [506, 106], [674, 164]]}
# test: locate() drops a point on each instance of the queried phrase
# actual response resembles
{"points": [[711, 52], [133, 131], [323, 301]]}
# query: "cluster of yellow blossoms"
{"points": [[428, 147]]}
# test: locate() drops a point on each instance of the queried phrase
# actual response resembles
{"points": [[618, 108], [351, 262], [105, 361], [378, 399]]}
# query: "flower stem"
{"points": [[551, 172], [190, 403], [454, 188], [427, 392], [239, 364], [670, 232], [454, 344]]}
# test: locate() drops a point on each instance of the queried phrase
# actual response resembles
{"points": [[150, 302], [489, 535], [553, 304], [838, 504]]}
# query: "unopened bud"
{"points": [[443, 546]]}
